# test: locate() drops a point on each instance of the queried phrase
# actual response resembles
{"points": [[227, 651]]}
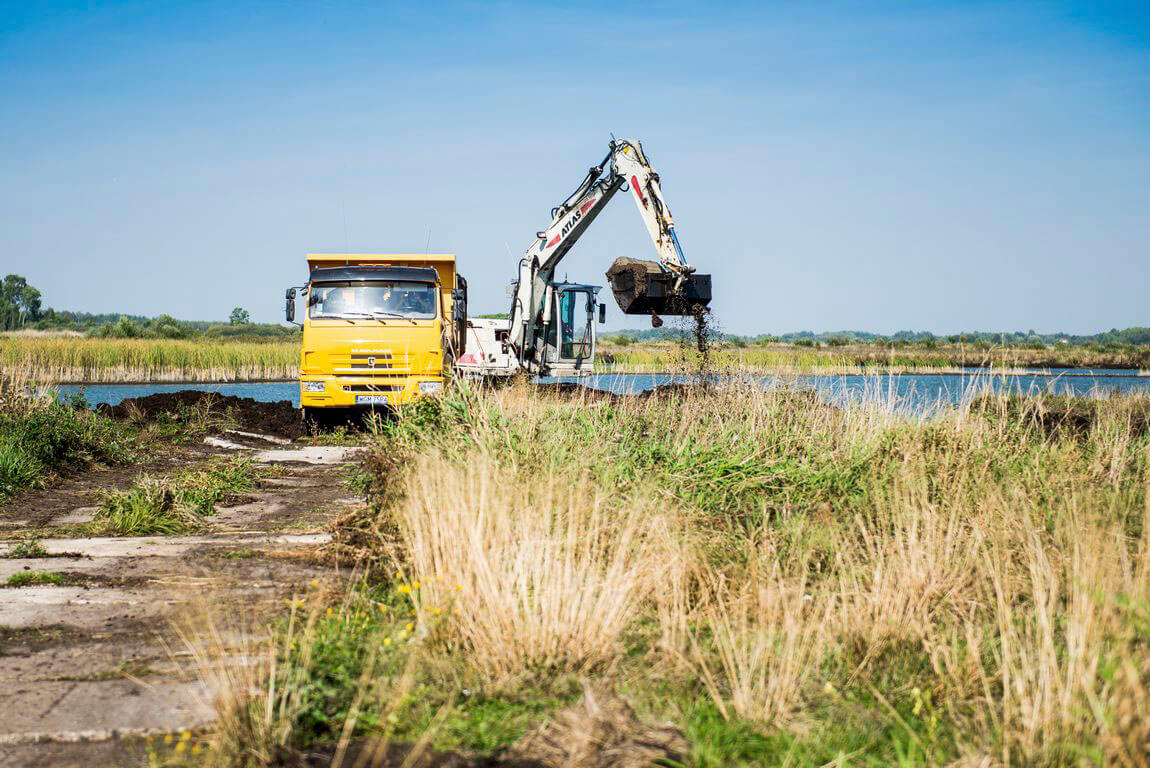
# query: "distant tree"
{"points": [[167, 327], [19, 303], [240, 316], [124, 328]]}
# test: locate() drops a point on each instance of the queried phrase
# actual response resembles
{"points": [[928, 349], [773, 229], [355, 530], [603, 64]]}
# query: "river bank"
{"points": [[903, 391]]}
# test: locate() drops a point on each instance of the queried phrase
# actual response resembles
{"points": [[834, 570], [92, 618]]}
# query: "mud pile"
{"points": [[279, 418]]}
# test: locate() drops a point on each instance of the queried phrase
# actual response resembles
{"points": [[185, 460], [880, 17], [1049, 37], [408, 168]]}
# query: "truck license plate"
{"points": [[371, 399]]}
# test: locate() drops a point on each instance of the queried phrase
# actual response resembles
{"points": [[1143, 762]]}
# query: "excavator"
{"points": [[550, 330]]}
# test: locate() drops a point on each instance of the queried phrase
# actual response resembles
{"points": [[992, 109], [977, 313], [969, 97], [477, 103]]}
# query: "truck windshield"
{"points": [[374, 299]]}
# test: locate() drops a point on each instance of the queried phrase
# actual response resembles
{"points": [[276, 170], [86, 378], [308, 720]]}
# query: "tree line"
{"points": [[21, 308]]}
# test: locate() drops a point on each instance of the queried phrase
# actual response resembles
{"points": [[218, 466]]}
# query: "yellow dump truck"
{"points": [[379, 330]]}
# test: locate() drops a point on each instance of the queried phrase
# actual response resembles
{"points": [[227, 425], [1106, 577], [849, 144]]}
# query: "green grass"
{"points": [[39, 436], [238, 554], [26, 549], [38, 578], [362, 651], [176, 504]]}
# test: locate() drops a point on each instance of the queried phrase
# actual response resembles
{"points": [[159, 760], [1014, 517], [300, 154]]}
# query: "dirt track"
{"points": [[90, 667]]}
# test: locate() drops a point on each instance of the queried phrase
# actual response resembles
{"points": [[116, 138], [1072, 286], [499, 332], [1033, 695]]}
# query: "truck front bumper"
{"points": [[320, 391]]}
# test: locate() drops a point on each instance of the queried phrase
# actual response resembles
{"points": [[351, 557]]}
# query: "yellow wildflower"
{"points": [[409, 626]]}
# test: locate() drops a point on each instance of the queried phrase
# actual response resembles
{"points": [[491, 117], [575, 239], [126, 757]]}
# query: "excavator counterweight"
{"points": [[645, 287]]}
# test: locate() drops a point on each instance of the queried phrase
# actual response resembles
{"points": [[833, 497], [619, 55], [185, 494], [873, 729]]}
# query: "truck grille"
{"points": [[370, 362], [373, 388]]}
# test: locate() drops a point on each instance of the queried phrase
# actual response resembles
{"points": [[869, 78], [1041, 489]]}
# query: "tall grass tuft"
{"points": [[176, 504], [539, 575]]}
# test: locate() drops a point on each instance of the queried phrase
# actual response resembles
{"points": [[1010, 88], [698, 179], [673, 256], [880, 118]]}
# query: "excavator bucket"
{"points": [[645, 288]]}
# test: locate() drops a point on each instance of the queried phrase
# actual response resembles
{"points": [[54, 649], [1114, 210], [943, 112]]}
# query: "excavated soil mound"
{"points": [[279, 418]]}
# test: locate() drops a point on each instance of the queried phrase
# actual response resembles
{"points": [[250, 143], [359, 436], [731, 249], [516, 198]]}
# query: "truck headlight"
{"points": [[313, 386], [430, 387]]}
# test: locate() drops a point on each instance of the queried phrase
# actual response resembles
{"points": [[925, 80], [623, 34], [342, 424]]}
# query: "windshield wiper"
{"points": [[380, 313]]}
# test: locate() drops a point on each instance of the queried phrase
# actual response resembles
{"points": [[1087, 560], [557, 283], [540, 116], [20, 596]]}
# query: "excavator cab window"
{"points": [[575, 324]]}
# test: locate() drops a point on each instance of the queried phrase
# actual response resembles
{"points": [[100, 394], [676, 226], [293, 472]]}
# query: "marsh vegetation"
{"points": [[779, 580]]}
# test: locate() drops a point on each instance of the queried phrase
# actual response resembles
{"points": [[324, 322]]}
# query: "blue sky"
{"points": [[873, 166]]}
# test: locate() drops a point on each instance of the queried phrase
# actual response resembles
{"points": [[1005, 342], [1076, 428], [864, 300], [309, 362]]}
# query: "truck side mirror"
{"points": [[289, 305], [602, 313]]}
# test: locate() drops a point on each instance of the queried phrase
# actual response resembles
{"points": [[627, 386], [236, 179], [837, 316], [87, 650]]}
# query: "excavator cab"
{"points": [[569, 345]]}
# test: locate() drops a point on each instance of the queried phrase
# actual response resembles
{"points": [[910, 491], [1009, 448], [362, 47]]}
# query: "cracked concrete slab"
{"points": [[101, 709], [9, 567], [159, 546], [77, 516], [312, 454]]}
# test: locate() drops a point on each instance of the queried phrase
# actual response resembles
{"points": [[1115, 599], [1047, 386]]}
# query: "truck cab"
{"points": [[379, 330]]}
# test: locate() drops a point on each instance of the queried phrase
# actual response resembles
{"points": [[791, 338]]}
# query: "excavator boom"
{"points": [[543, 311]]}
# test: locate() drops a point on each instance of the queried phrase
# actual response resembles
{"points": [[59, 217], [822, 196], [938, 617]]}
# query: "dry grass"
{"points": [[757, 635], [968, 588], [538, 575]]}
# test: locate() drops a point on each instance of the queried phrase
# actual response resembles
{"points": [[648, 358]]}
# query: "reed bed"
{"points": [[85, 360]]}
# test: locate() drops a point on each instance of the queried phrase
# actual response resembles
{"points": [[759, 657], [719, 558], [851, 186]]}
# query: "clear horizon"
{"points": [[944, 166]]}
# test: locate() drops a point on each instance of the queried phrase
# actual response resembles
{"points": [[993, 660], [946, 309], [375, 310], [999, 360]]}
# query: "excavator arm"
{"points": [[641, 287]]}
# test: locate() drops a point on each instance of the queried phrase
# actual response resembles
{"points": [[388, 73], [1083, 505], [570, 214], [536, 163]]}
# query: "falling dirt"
{"points": [[696, 324], [280, 418]]}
